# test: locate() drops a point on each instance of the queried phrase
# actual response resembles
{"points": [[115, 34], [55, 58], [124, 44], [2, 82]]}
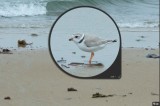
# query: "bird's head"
{"points": [[77, 38]]}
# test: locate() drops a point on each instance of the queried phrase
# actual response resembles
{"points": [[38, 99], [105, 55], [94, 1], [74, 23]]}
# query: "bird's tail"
{"points": [[109, 41]]}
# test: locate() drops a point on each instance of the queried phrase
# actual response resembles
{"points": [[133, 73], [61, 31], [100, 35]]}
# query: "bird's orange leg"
{"points": [[90, 60]]}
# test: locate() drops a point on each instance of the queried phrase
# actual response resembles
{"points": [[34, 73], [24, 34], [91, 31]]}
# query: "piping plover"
{"points": [[89, 43]]}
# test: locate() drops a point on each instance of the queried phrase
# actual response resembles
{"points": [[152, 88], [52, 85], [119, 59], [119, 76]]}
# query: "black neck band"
{"points": [[81, 40]]}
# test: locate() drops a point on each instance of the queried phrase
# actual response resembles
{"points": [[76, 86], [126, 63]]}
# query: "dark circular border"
{"points": [[50, 33]]}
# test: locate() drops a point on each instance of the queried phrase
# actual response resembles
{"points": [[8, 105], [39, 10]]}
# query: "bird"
{"points": [[89, 43]]}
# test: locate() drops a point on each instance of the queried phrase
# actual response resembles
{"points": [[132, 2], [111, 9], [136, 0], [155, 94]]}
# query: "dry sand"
{"points": [[30, 78]]}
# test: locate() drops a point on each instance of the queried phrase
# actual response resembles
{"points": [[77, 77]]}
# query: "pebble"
{"points": [[73, 52]]}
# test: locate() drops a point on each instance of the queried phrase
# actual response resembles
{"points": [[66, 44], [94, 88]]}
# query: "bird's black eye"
{"points": [[76, 36]]}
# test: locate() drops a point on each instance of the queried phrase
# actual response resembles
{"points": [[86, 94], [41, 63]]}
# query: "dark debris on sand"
{"points": [[62, 65], [138, 40], [7, 98], [23, 43], [130, 93], [73, 52], [124, 95], [61, 60], [34, 34], [98, 95], [71, 89], [152, 56], [142, 36], [150, 49], [114, 41], [5, 51], [155, 94], [83, 56]]}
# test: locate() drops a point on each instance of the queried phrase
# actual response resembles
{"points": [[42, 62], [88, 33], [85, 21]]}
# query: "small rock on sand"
{"points": [[34, 34]]}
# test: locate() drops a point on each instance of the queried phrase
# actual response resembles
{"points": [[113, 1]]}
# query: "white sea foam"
{"points": [[22, 9], [139, 25]]}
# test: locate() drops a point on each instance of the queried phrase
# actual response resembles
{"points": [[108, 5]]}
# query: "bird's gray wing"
{"points": [[94, 41]]}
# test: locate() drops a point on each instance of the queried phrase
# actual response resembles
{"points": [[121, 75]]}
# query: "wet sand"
{"points": [[30, 78]]}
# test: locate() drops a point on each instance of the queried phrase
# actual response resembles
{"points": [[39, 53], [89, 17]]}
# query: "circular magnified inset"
{"points": [[84, 42]]}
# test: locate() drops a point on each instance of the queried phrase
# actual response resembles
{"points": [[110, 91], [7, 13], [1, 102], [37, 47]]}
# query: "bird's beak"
{"points": [[70, 39]]}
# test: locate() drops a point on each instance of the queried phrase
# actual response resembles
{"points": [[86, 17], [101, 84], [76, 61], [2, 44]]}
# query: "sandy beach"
{"points": [[30, 78]]}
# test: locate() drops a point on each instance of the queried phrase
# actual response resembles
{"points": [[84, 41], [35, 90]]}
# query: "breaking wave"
{"points": [[127, 13]]}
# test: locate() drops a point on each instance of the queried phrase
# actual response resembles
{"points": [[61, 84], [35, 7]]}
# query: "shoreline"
{"points": [[18, 50], [130, 38], [139, 29]]}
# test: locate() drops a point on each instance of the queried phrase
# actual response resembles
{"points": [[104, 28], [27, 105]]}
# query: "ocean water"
{"points": [[127, 13], [20, 18]]}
